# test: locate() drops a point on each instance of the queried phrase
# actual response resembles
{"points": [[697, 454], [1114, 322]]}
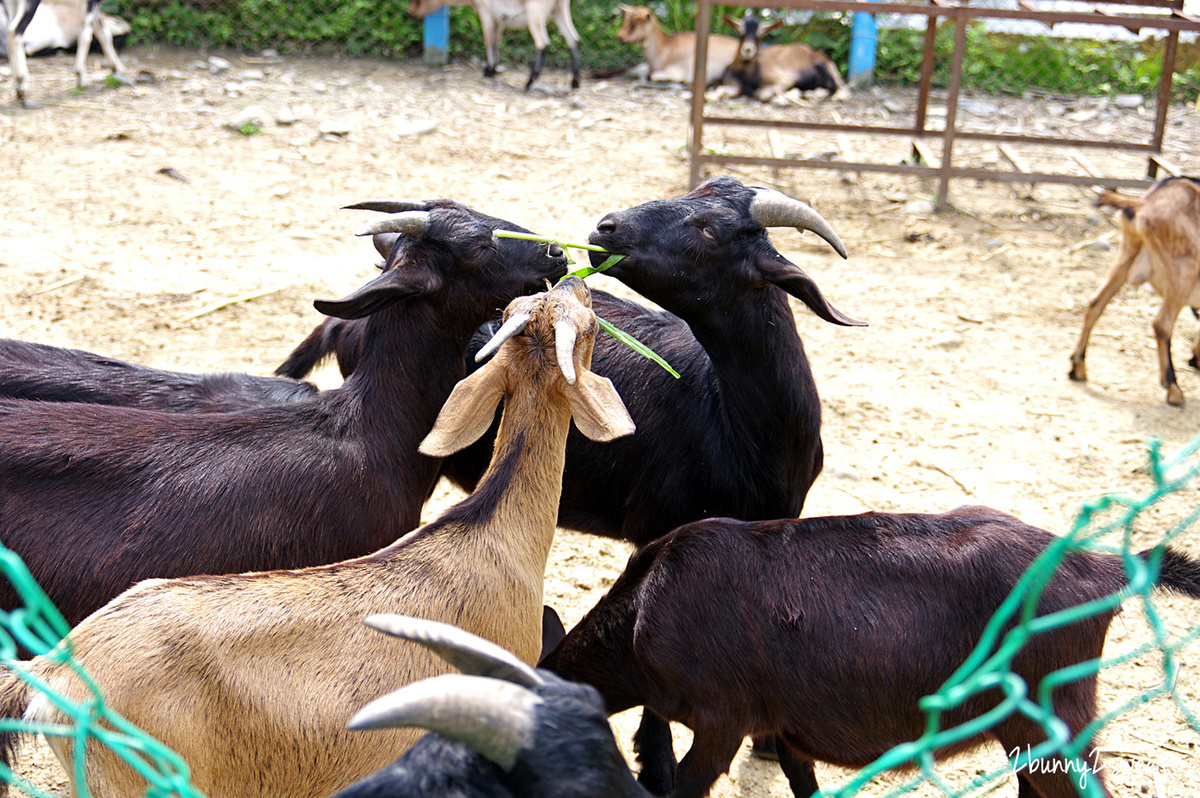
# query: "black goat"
{"points": [[828, 631], [95, 498], [739, 434], [505, 730], [56, 374]]}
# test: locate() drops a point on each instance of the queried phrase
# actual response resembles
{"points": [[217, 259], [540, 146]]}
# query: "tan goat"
{"points": [[672, 56], [1160, 243], [251, 678]]}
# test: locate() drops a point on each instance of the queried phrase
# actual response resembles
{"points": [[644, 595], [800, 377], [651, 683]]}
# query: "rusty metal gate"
{"points": [[930, 160]]}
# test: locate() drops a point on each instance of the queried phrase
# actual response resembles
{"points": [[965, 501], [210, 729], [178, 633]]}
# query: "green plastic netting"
{"points": [[1107, 524]]}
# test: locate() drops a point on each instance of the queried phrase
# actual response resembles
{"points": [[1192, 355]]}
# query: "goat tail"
{"points": [[1180, 572], [14, 699], [1111, 199]]}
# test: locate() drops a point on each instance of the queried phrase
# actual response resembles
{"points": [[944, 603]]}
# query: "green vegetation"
{"points": [[994, 63]]}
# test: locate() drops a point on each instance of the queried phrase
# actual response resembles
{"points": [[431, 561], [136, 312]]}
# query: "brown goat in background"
{"points": [[765, 72], [671, 57], [1160, 243]]}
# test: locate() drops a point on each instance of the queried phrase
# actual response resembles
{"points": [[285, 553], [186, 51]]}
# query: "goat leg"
{"points": [[799, 771], [713, 749], [94, 23], [18, 21], [1164, 325], [537, 68], [655, 753], [1118, 273]]}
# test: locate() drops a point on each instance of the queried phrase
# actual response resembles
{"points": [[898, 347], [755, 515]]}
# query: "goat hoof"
{"points": [[658, 781], [1174, 396], [1078, 372]]}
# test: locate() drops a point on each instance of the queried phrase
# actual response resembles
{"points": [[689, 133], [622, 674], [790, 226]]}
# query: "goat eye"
{"points": [[708, 233]]}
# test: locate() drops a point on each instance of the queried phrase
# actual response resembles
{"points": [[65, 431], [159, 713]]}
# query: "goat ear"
{"points": [[386, 289], [597, 408], [467, 414], [792, 279], [773, 26], [726, 19]]}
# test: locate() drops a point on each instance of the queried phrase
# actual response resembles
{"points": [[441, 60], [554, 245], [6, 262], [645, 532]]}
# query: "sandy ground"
{"points": [[956, 392]]}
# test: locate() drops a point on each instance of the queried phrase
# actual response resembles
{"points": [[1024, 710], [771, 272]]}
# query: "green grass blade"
{"points": [[636, 345]]}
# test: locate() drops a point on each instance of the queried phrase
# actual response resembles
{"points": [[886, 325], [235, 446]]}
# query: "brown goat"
{"points": [[1160, 243], [765, 72], [671, 57], [828, 632], [251, 678]]}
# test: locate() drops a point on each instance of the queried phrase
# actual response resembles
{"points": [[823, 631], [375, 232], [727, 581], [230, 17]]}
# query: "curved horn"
{"points": [[515, 324], [564, 348], [388, 206], [411, 223], [496, 719], [465, 651], [772, 209]]}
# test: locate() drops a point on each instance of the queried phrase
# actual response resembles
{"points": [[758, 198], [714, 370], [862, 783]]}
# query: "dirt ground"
{"points": [[130, 213]]}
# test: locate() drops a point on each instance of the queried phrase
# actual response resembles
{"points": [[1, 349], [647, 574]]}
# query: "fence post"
{"points": [[437, 37], [861, 71]]}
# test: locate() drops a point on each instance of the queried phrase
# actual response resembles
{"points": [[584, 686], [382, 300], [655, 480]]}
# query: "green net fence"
{"points": [[1107, 524], [41, 629]]}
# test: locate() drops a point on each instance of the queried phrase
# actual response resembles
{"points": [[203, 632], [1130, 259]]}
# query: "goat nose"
{"points": [[607, 225]]}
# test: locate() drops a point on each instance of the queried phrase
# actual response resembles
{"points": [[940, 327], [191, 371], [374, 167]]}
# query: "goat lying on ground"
{"points": [[739, 434], [96, 498], [57, 25], [272, 664], [20, 14], [828, 631], [503, 731], [672, 56], [1160, 243], [764, 72], [496, 16]]}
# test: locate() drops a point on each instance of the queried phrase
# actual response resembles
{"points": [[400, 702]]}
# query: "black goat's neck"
{"points": [[410, 365], [766, 389]]}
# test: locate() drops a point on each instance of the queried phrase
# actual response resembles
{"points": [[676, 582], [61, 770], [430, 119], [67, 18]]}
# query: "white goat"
{"points": [[57, 24], [251, 678], [495, 16], [84, 13]]}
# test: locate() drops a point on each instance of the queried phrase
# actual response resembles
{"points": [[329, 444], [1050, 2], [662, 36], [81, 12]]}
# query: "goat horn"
{"points": [[388, 206], [495, 719], [564, 348], [772, 209], [515, 324], [410, 223], [465, 651]]}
